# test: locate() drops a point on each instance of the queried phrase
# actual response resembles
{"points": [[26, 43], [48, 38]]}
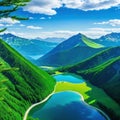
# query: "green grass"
{"points": [[91, 43], [91, 94]]}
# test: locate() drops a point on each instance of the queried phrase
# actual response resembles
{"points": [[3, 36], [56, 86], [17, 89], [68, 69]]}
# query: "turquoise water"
{"points": [[66, 105], [68, 78]]}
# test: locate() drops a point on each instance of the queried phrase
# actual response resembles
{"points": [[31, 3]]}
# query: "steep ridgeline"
{"points": [[112, 39], [75, 49], [28, 47], [22, 84], [106, 76], [95, 60], [102, 70]]}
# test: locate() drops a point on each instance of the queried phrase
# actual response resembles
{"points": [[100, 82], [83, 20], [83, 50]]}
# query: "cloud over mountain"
{"points": [[34, 27], [112, 22]]}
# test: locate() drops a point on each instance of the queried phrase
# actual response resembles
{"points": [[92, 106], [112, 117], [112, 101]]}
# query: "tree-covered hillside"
{"points": [[22, 84], [102, 70], [94, 60], [106, 76]]}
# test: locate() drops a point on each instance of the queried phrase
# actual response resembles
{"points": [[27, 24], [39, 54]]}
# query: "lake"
{"points": [[67, 105], [68, 78]]}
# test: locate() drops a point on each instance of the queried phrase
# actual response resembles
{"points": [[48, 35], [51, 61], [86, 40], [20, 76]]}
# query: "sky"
{"points": [[64, 18]]}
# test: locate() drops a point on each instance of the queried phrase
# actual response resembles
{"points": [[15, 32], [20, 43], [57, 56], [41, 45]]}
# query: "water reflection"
{"points": [[67, 106]]}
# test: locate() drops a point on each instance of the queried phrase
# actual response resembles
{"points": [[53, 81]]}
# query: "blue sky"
{"points": [[64, 18]]}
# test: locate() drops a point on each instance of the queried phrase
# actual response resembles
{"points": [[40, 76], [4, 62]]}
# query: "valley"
{"points": [[59, 60], [92, 95], [91, 75]]}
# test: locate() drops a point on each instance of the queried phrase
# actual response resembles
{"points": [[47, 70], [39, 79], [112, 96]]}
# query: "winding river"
{"points": [[67, 105]]}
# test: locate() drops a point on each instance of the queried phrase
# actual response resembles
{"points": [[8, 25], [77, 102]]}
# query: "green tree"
{"points": [[9, 6], [2, 89], [6, 8]]}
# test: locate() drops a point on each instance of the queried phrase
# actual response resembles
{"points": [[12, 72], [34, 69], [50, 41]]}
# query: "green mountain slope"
{"points": [[95, 60], [106, 76], [29, 48], [91, 43], [71, 51], [102, 70], [24, 84]]}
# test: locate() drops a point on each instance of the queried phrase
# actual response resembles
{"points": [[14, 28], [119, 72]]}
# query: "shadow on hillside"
{"points": [[99, 102]]}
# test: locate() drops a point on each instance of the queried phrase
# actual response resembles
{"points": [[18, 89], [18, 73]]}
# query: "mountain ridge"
{"points": [[26, 83], [72, 48], [28, 47]]}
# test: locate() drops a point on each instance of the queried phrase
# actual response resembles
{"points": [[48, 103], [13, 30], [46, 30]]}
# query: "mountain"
{"points": [[21, 84], [112, 39], [52, 39], [74, 49], [106, 76], [28, 48], [102, 70], [95, 60]]}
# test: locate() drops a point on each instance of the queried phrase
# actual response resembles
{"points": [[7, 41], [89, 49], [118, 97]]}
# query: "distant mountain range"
{"points": [[78, 48], [28, 48], [70, 51], [112, 39], [52, 39]]}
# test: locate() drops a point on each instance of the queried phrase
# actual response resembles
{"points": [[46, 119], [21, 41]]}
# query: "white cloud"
{"points": [[98, 32], [90, 32], [113, 22], [90, 4], [42, 18], [48, 6], [34, 27], [31, 18], [43, 6], [13, 32], [22, 25], [8, 21], [1, 25], [58, 34]]}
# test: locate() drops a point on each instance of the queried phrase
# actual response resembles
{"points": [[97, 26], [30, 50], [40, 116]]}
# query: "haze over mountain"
{"points": [[31, 49], [72, 50], [112, 39], [21, 84], [51, 39]]}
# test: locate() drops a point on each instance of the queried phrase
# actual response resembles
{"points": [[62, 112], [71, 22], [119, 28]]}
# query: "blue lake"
{"points": [[66, 105], [68, 78]]}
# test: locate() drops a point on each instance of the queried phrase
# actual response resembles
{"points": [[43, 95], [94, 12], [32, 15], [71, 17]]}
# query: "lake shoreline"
{"points": [[54, 92], [82, 99]]}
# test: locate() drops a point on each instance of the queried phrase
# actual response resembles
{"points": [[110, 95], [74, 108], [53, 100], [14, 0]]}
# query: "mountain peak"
{"points": [[79, 34], [8, 34], [112, 37]]}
